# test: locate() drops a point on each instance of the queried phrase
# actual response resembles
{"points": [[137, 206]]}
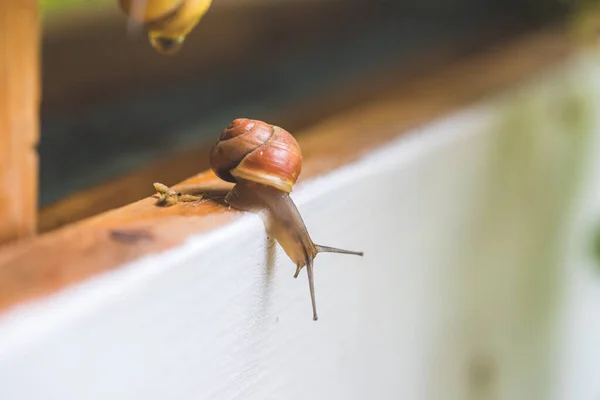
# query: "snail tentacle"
{"points": [[311, 286]]}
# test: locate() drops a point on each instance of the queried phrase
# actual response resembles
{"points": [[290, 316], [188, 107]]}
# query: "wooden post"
{"points": [[19, 120]]}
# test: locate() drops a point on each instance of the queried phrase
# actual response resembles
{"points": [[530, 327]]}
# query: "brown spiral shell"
{"points": [[258, 152]]}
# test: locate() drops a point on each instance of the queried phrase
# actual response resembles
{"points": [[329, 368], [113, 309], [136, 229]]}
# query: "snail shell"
{"points": [[255, 151]]}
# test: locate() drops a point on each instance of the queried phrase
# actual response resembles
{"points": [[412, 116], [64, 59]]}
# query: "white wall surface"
{"points": [[477, 281]]}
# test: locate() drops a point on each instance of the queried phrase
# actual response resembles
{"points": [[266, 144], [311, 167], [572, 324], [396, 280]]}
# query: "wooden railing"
{"points": [[466, 202], [31, 268], [470, 188], [19, 117]]}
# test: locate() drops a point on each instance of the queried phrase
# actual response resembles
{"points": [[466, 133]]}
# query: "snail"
{"points": [[264, 162], [168, 22]]}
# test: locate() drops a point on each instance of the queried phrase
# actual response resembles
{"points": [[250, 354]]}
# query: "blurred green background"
{"points": [[53, 5]]}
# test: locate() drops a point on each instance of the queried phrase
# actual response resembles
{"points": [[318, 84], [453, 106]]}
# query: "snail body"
{"points": [[168, 22], [264, 161]]}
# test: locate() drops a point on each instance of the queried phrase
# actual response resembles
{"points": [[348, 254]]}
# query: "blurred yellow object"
{"points": [[584, 25], [168, 22]]}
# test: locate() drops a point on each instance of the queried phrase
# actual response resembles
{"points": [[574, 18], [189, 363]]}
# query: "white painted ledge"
{"points": [[465, 290]]}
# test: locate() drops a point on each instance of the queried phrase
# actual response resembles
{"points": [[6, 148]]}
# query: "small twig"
{"points": [[168, 197]]}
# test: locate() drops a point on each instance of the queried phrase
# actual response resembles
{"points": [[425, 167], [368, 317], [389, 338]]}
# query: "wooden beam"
{"points": [[40, 266], [477, 280], [19, 107]]}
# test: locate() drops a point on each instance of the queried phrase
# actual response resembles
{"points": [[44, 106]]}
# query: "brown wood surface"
{"points": [[39, 266], [19, 108]]}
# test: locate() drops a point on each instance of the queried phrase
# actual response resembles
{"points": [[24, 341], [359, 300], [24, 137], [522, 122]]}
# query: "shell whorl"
{"points": [[258, 152]]}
